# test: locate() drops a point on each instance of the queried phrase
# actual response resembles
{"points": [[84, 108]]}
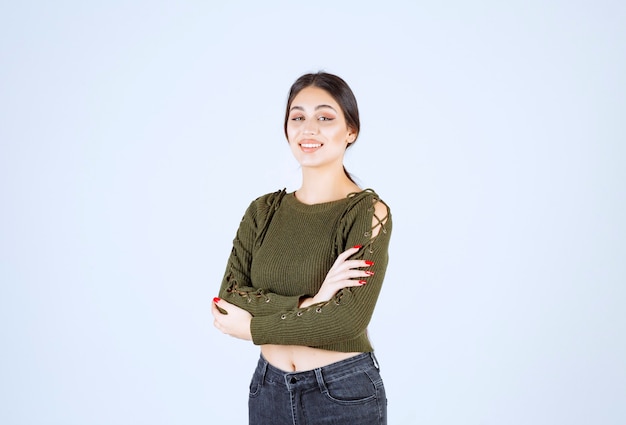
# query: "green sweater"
{"points": [[282, 252]]}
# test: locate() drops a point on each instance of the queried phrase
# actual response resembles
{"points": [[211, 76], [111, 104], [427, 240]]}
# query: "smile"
{"points": [[311, 145]]}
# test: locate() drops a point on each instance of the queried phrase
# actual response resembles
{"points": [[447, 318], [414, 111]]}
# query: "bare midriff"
{"points": [[297, 358]]}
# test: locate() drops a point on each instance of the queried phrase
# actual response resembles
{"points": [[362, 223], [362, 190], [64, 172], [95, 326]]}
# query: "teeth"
{"points": [[311, 145]]}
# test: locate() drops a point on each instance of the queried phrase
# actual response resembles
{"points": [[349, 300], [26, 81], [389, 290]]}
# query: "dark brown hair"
{"points": [[338, 89]]}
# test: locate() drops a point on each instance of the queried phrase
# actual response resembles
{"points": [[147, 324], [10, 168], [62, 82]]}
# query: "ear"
{"points": [[351, 135]]}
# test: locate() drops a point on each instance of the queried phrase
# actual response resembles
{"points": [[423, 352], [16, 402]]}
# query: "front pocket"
{"points": [[352, 389], [255, 386], [256, 383]]}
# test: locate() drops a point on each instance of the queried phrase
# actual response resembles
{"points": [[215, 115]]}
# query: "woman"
{"points": [[305, 272]]}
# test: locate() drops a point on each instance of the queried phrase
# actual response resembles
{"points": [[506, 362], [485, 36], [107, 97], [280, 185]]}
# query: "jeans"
{"points": [[347, 392]]}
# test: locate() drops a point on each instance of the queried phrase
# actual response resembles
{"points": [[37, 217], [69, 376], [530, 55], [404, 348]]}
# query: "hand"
{"points": [[236, 321], [343, 274]]}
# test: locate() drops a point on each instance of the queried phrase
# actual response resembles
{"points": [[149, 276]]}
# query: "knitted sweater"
{"points": [[281, 254]]}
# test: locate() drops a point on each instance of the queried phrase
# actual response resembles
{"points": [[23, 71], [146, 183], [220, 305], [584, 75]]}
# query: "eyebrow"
{"points": [[300, 108]]}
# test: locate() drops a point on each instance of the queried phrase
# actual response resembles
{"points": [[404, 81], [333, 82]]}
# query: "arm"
{"points": [[235, 321], [346, 315], [236, 285], [345, 272]]}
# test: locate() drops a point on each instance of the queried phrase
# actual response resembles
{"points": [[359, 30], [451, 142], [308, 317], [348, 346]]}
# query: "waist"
{"points": [[358, 363], [299, 358]]}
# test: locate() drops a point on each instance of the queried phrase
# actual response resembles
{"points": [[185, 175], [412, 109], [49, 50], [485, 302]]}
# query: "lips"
{"points": [[311, 146]]}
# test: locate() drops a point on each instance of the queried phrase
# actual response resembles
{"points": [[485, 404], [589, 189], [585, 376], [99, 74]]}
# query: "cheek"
{"points": [[337, 134], [291, 134]]}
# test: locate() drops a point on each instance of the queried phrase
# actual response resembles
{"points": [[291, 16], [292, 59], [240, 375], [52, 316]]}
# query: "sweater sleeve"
{"points": [[236, 287], [346, 316]]}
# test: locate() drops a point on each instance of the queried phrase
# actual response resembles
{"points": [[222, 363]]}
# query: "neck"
{"points": [[323, 186]]}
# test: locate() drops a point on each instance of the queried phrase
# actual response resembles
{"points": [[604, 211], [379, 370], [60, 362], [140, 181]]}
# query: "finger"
{"points": [[355, 264], [340, 275], [349, 283], [215, 311], [360, 263], [348, 266], [351, 278], [216, 318], [357, 274], [219, 306], [348, 252]]}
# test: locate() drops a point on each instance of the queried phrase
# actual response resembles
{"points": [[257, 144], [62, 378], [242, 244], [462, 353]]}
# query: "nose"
{"points": [[310, 127]]}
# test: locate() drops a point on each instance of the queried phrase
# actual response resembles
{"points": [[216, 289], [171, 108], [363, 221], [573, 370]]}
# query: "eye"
{"points": [[323, 118], [298, 118]]}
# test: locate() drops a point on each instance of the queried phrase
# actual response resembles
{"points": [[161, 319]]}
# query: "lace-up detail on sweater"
{"points": [[380, 213]]}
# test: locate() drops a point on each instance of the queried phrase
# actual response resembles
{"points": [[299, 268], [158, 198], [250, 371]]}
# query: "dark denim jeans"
{"points": [[347, 392]]}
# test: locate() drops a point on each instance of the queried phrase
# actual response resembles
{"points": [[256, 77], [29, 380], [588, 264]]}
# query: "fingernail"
{"points": [[362, 282], [357, 246], [216, 300], [369, 272], [369, 263]]}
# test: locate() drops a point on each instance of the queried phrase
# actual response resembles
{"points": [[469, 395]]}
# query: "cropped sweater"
{"points": [[281, 254]]}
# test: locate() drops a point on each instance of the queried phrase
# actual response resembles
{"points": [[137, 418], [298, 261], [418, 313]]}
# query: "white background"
{"points": [[134, 134]]}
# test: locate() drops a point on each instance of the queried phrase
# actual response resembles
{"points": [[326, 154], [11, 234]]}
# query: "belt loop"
{"points": [[374, 360], [264, 370], [320, 380]]}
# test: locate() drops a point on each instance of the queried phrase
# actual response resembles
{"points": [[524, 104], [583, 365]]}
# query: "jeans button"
{"points": [[293, 380]]}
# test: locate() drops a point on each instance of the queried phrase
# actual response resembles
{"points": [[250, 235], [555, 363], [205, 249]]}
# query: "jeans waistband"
{"points": [[318, 376]]}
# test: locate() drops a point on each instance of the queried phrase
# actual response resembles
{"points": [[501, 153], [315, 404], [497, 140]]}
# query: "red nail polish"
{"points": [[369, 272], [362, 282], [369, 263], [358, 246], [216, 300]]}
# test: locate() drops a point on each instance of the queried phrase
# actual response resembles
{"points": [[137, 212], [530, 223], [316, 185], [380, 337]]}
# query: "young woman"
{"points": [[305, 272]]}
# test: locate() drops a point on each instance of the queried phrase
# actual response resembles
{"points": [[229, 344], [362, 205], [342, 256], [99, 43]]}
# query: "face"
{"points": [[316, 129]]}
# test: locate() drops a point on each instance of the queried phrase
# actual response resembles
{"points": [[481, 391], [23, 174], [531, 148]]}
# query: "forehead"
{"points": [[313, 97]]}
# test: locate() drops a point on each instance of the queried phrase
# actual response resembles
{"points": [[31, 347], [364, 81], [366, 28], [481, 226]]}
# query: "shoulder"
{"points": [[264, 205], [370, 200], [268, 199], [366, 219], [367, 206]]}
